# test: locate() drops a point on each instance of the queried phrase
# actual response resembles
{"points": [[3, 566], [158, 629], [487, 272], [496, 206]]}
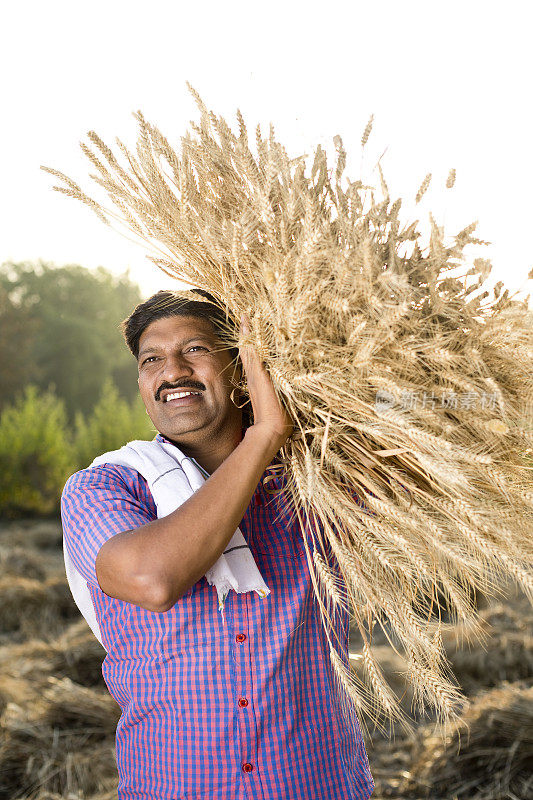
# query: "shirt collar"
{"points": [[273, 473]]}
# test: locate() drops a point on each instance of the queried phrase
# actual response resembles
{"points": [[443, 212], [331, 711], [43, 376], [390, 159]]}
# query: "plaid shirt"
{"points": [[244, 710]]}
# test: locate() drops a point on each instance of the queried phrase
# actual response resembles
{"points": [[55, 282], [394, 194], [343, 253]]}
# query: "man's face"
{"points": [[178, 354]]}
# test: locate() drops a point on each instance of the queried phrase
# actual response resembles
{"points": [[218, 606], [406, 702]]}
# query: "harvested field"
{"points": [[489, 757], [57, 719]]}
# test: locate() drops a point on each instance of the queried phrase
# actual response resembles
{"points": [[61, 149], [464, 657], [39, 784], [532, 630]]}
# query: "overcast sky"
{"points": [[449, 84]]}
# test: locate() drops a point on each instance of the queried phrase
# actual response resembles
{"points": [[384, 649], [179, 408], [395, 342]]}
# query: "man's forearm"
{"points": [[154, 565]]}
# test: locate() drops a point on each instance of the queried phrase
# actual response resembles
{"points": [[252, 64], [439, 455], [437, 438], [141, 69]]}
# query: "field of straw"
{"points": [[57, 720]]}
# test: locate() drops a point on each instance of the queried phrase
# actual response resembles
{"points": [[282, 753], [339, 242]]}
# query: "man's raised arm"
{"points": [[155, 564]]}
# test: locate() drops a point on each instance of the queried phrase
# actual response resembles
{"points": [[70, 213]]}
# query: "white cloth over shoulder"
{"points": [[172, 478]]}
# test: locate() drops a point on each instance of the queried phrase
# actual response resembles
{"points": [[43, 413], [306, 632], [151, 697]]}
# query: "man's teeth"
{"points": [[175, 395]]}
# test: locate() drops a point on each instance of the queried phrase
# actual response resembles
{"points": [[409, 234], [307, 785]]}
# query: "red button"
{"points": [[247, 767], [240, 637], [243, 702], [258, 499]]}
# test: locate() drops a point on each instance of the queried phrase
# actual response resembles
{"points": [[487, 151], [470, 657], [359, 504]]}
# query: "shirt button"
{"points": [[247, 767], [240, 637], [243, 702], [258, 499]]}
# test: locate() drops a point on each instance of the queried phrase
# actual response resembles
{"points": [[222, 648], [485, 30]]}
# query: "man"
{"points": [[241, 711]]}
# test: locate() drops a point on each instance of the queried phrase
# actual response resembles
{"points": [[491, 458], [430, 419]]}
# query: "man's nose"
{"points": [[176, 367]]}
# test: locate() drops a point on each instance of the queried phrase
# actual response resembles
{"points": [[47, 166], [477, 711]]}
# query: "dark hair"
{"points": [[167, 304]]}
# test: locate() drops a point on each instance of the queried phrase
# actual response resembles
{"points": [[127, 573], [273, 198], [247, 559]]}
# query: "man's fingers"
{"points": [[266, 406], [247, 351], [245, 324]]}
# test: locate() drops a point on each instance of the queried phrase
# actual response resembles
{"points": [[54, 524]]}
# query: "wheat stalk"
{"points": [[344, 304]]}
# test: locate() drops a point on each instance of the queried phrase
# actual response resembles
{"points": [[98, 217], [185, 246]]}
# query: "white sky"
{"points": [[449, 84]]}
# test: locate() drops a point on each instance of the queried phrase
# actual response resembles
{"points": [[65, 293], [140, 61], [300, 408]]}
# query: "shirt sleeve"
{"points": [[98, 503]]}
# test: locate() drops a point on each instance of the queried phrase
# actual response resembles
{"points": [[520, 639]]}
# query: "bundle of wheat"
{"points": [[492, 760], [411, 391]]}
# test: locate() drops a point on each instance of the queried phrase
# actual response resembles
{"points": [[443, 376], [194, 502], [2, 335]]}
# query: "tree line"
{"points": [[68, 383]]}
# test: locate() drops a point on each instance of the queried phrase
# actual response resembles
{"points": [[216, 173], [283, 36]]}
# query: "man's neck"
{"points": [[210, 454]]}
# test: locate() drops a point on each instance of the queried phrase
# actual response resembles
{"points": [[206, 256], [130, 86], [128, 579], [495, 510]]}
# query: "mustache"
{"points": [[194, 386]]}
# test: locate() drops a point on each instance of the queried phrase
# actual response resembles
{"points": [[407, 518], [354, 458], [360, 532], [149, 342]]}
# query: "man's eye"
{"points": [[196, 346], [146, 360]]}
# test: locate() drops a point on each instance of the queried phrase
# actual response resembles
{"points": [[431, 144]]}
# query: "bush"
{"points": [[60, 325], [36, 455], [38, 452], [113, 423]]}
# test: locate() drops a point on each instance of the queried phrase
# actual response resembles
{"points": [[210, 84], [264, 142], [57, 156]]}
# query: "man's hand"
{"points": [[270, 417]]}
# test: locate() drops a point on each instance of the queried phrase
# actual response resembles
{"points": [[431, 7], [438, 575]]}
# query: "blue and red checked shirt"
{"points": [[244, 710]]}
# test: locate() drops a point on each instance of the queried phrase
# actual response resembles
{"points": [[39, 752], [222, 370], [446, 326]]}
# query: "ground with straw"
{"points": [[57, 719]]}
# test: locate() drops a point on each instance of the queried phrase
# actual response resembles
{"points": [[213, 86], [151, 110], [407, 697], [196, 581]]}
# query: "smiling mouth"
{"points": [[181, 397]]}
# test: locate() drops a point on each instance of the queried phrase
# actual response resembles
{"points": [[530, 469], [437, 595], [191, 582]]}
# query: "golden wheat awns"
{"points": [[411, 389], [450, 180], [367, 130]]}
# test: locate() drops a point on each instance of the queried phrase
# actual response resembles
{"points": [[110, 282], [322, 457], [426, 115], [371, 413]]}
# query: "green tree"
{"points": [[36, 456], [113, 423], [60, 330], [17, 330]]}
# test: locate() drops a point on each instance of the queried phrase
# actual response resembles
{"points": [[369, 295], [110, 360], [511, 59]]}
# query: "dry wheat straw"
{"points": [[411, 502]]}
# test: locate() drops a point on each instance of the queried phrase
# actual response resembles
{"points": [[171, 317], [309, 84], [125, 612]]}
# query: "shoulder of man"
{"points": [[116, 476], [98, 502], [114, 467]]}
